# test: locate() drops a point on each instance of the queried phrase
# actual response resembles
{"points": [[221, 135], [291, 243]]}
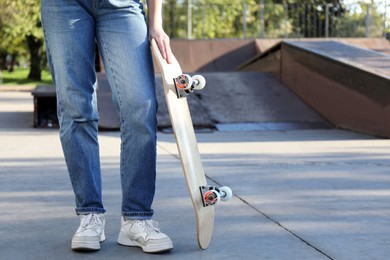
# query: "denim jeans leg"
{"points": [[123, 42], [70, 39]]}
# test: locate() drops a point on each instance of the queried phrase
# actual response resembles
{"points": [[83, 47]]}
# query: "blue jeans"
{"points": [[118, 27]]}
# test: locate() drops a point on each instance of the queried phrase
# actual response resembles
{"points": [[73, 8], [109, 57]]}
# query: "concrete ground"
{"points": [[307, 194]]}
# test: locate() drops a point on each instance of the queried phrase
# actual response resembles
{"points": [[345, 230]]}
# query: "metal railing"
{"points": [[253, 19]]}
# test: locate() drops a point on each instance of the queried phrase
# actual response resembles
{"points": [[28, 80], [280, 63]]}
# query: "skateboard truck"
{"points": [[185, 84], [211, 195]]}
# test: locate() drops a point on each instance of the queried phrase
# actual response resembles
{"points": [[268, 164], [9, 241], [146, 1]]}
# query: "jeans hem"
{"points": [[82, 211], [137, 215]]}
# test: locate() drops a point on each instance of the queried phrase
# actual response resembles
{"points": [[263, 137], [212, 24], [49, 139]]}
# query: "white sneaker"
{"points": [[90, 232], [145, 234]]}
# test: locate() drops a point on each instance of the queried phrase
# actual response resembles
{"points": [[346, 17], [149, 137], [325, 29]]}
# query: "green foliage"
{"points": [[353, 22], [268, 18], [21, 32], [19, 19]]}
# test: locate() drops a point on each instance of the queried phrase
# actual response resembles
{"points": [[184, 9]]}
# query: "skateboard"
{"points": [[177, 86]]}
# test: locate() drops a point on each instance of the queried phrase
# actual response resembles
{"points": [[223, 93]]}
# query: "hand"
{"points": [[162, 41]]}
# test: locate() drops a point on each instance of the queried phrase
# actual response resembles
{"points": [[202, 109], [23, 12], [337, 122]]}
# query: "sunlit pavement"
{"points": [[305, 194]]}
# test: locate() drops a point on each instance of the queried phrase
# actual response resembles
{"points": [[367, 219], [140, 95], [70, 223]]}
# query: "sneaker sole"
{"points": [[152, 248], [86, 243]]}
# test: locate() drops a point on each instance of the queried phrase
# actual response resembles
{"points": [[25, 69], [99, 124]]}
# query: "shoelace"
{"points": [[91, 221], [149, 225]]}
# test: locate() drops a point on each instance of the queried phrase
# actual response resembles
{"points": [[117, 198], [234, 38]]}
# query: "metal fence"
{"points": [[254, 19]]}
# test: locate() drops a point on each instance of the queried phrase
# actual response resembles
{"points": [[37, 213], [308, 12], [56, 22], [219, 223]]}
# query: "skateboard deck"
{"points": [[179, 112]]}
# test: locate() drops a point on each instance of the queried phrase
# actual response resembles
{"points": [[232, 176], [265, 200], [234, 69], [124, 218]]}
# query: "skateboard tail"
{"points": [[204, 238]]}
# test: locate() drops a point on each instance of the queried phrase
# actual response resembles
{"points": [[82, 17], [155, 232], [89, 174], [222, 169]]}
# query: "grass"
{"points": [[19, 78]]}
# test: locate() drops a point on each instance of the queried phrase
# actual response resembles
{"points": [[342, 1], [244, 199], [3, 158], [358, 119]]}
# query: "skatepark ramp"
{"points": [[347, 85], [282, 85], [279, 85], [244, 101], [230, 101]]}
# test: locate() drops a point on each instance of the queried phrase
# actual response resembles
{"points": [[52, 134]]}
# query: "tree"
{"points": [[354, 21], [310, 18], [248, 18], [210, 19], [21, 30]]}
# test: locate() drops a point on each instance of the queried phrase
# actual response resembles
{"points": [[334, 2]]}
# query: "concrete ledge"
{"points": [[45, 107]]}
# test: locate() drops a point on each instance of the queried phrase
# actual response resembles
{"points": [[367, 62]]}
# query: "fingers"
{"points": [[165, 49], [168, 51], [163, 44]]}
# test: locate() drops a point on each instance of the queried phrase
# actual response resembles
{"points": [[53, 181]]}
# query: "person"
{"points": [[119, 28]]}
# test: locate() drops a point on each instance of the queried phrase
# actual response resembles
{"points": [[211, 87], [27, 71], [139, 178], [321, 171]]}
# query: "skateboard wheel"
{"points": [[211, 197], [199, 82], [184, 81], [226, 193]]}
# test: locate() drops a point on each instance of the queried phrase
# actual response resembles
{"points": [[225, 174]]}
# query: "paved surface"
{"points": [[307, 194]]}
